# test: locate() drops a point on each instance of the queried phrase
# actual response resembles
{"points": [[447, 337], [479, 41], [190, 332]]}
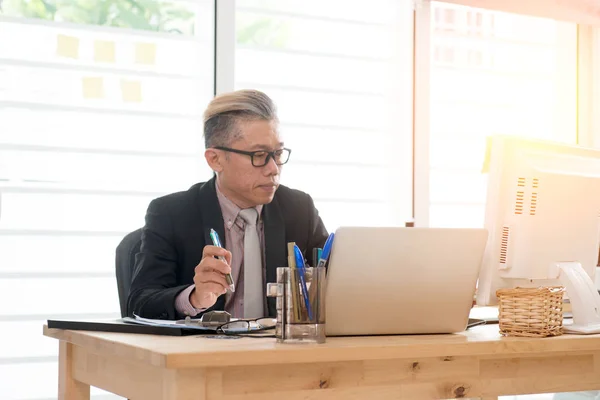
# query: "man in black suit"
{"points": [[177, 272]]}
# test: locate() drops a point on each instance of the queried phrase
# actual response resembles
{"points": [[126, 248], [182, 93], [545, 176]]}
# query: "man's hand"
{"points": [[209, 277]]}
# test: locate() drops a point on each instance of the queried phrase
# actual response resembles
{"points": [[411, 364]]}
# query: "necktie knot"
{"points": [[250, 216]]}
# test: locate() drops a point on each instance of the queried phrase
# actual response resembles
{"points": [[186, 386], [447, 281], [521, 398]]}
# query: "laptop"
{"points": [[391, 280]]}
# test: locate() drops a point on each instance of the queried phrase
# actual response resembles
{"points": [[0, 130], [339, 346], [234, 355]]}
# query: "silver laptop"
{"points": [[384, 280]]}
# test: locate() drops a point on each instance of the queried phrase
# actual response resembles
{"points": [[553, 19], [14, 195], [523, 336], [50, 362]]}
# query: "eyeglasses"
{"points": [[245, 326], [261, 158]]}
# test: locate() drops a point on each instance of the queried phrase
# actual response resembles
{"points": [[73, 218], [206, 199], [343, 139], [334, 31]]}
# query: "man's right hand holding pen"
{"points": [[210, 277]]}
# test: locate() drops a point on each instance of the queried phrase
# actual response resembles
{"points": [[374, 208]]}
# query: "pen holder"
{"points": [[297, 323]]}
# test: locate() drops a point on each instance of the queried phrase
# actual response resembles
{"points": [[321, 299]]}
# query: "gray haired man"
{"points": [[177, 271]]}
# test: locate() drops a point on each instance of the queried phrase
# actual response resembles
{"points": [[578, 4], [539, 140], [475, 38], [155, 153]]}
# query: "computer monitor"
{"points": [[543, 220]]}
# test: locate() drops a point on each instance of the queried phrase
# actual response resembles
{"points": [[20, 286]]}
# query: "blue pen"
{"points": [[326, 250], [216, 242], [300, 267]]}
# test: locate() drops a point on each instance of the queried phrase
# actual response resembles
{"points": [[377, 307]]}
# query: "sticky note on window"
{"points": [[92, 87], [145, 53], [104, 51], [131, 91], [67, 46]]}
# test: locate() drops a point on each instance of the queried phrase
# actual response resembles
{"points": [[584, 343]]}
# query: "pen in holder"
{"points": [[295, 321]]}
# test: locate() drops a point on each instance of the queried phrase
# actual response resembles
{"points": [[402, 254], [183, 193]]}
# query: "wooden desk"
{"points": [[476, 363]]}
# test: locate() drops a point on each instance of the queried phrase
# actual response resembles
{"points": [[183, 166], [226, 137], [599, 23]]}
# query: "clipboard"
{"points": [[121, 325], [208, 324]]}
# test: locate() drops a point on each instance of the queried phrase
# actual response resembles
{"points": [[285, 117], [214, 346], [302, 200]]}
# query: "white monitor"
{"points": [[543, 219]]}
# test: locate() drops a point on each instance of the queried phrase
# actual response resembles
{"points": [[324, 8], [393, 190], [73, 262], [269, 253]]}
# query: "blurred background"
{"points": [[386, 105]]}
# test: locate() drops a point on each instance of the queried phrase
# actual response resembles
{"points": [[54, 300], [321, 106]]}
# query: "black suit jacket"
{"points": [[177, 229]]}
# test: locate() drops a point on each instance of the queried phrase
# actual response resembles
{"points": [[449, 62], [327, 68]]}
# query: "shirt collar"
{"points": [[230, 210]]}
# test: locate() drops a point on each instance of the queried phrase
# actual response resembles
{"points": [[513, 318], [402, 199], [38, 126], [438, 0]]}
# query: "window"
{"points": [[508, 74], [340, 73], [99, 113]]}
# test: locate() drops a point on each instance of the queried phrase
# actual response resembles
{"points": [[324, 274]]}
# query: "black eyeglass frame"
{"points": [[249, 330], [251, 154]]}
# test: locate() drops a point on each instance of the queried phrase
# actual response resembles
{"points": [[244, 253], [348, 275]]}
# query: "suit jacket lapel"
{"points": [[212, 217], [275, 246], [210, 209]]}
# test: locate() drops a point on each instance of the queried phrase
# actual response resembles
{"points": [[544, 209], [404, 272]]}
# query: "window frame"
{"points": [[422, 111], [224, 56], [579, 11], [586, 47], [593, 82]]}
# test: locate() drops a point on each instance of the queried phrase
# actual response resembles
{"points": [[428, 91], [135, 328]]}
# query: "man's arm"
{"points": [[317, 232], [154, 284], [183, 303]]}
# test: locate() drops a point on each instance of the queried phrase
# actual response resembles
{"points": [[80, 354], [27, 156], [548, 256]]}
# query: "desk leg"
{"points": [[68, 387]]}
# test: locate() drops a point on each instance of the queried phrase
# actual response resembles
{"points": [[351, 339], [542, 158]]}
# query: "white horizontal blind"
{"points": [[340, 74], [492, 73], [95, 121]]}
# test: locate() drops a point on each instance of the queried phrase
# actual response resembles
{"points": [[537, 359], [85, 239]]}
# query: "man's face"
{"points": [[242, 182]]}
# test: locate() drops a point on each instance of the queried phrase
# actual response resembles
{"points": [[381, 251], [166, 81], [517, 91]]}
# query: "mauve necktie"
{"points": [[253, 284]]}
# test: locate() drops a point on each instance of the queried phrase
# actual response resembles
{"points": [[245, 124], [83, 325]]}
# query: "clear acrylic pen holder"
{"points": [[300, 316]]}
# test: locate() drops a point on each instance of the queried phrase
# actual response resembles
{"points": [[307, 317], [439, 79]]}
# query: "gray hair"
{"points": [[226, 110]]}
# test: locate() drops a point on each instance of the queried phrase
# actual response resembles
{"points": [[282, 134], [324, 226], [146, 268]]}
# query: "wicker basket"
{"points": [[531, 312]]}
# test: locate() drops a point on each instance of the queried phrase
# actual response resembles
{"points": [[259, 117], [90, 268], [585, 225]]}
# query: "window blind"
{"points": [[98, 115], [337, 71]]}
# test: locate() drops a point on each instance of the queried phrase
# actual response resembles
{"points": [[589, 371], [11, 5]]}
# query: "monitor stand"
{"points": [[584, 298]]}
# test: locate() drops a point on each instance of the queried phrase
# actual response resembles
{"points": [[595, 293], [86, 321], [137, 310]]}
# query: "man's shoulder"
{"points": [[286, 194], [179, 199]]}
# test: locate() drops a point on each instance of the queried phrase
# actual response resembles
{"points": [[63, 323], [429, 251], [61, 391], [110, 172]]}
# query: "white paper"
{"points": [[167, 323]]}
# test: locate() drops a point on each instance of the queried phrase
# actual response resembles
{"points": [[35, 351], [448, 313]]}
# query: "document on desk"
{"points": [[169, 323], [234, 325], [155, 326]]}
